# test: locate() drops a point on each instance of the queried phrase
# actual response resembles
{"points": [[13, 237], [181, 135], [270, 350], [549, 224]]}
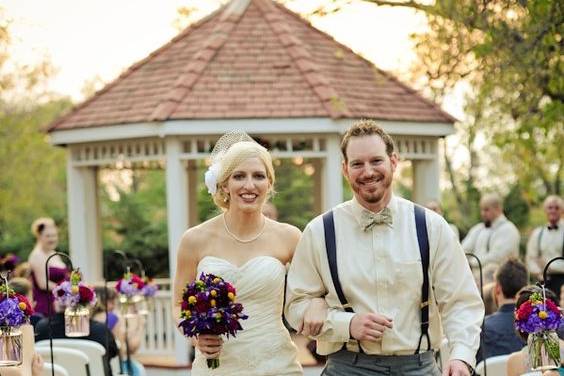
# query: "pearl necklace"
{"points": [[244, 240]]}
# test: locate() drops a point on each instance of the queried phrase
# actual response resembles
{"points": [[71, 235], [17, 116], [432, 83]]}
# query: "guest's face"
{"points": [[49, 238], [248, 186], [489, 212], [553, 211], [368, 169]]}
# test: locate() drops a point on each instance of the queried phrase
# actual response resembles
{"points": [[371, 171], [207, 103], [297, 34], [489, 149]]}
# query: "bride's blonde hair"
{"points": [[233, 157]]}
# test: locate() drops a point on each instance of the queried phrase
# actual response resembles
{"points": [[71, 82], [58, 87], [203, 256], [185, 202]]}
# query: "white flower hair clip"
{"points": [[210, 178]]}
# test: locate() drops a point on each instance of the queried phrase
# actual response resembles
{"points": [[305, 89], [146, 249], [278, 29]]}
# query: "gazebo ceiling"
{"points": [[252, 59]]}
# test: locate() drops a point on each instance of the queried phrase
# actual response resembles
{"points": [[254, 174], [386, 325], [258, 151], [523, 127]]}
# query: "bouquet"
{"points": [[540, 318], [208, 307], [74, 293], [15, 309]]}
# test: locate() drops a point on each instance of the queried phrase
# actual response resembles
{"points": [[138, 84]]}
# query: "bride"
{"points": [[249, 250]]}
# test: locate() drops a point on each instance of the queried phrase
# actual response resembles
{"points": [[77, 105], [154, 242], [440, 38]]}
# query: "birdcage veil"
{"points": [[220, 154]]}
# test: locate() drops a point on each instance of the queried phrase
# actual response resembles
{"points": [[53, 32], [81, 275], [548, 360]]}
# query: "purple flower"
{"points": [[149, 290], [66, 297], [10, 314], [535, 324]]}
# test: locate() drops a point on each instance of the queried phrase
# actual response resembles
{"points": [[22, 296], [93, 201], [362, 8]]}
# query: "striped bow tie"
{"points": [[370, 219]]}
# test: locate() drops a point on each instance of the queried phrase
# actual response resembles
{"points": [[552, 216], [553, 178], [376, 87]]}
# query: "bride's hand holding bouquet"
{"points": [[207, 311]]}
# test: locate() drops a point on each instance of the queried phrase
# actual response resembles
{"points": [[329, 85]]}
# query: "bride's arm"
{"points": [[314, 317], [186, 264]]}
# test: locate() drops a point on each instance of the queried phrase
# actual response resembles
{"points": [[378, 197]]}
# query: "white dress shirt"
{"points": [[380, 271], [550, 246], [494, 244]]}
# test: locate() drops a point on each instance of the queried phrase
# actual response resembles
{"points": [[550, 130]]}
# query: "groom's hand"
{"points": [[209, 345], [369, 326], [456, 367]]}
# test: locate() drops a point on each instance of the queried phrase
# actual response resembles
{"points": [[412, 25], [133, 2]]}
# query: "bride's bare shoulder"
{"points": [[200, 234], [286, 231]]}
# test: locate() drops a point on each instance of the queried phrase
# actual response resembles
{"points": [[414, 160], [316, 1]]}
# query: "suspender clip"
{"points": [[424, 304]]}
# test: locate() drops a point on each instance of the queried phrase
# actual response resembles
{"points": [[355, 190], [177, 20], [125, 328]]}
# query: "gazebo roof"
{"points": [[252, 59]]}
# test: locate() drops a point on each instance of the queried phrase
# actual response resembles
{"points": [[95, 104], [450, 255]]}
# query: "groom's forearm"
{"points": [[336, 327]]}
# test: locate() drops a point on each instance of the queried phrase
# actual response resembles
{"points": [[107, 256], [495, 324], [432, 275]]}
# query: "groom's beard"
{"points": [[375, 196]]}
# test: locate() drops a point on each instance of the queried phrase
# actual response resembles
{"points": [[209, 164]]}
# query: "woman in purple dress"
{"points": [[46, 235]]}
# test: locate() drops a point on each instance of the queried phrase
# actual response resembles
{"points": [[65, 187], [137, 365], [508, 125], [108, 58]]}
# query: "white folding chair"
{"points": [[496, 366], [93, 350], [59, 370], [70, 359]]}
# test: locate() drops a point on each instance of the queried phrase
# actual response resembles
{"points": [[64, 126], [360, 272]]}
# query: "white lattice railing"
{"points": [[160, 327]]}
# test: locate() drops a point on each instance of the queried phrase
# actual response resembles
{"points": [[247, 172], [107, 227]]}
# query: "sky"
{"points": [[85, 39]]}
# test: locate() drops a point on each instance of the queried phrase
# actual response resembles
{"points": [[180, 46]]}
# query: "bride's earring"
{"points": [[226, 198]]}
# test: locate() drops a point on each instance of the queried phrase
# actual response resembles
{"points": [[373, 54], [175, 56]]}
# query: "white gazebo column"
{"points": [[177, 216], [318, 203], [192, 170], [85, 240], [331, 173], [426, 175]]}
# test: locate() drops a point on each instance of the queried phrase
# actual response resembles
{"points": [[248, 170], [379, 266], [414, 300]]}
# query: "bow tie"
{"points": [[370, 219], [552, 227]]}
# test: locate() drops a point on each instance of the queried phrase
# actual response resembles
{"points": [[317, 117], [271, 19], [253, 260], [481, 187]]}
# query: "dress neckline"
{"points": [[246, 263]]}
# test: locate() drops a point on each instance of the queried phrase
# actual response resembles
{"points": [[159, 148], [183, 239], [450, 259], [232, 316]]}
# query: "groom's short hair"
{"points": [[366, 127]]}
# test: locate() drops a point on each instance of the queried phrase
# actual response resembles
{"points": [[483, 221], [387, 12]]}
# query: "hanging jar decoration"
{"points": [[77, 297], [130, 297], [539, 317], [11, 342], [77, 321], [15, 311]]}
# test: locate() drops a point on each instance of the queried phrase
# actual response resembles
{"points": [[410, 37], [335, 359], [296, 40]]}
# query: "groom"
{"points": [[393, 275]]}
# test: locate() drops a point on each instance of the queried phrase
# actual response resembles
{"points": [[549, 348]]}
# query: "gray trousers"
{"points": [[346, 363]]}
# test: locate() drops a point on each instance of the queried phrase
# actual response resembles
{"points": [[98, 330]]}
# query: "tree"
{"points": [[509, 52], [32, 178]]}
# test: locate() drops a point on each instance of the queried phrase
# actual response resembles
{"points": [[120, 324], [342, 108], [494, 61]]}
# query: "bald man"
{"points": [[495, 239], [547, 242]]}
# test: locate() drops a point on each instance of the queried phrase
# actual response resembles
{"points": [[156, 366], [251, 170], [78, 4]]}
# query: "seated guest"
{"points": [[22, 286], [489, 300], [98, 333], [116, 323], [499, 336]]}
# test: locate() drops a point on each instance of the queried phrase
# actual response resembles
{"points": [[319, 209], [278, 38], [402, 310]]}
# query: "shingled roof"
{"points": [[252, 59]]}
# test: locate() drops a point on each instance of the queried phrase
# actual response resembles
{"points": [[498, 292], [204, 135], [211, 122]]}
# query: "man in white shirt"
{"points": [[378, 260], [496, 239], [547, 242]]}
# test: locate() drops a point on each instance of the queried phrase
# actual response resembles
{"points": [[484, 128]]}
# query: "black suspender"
{"points": [[331, 246], [422, 239], [539, 240]]}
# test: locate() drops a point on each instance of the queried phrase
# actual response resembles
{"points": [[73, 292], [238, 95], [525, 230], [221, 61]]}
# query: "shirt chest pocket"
{"points": [[407, 278]]}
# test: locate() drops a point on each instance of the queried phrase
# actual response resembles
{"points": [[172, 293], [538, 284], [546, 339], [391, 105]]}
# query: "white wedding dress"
{"points": [[264, 346]]}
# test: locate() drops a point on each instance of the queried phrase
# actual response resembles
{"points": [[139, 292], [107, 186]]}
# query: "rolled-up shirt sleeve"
{"points": [[460, 306]]}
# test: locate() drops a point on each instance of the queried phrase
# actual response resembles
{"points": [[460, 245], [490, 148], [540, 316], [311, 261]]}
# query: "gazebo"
{"points": [[253, 65]]}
